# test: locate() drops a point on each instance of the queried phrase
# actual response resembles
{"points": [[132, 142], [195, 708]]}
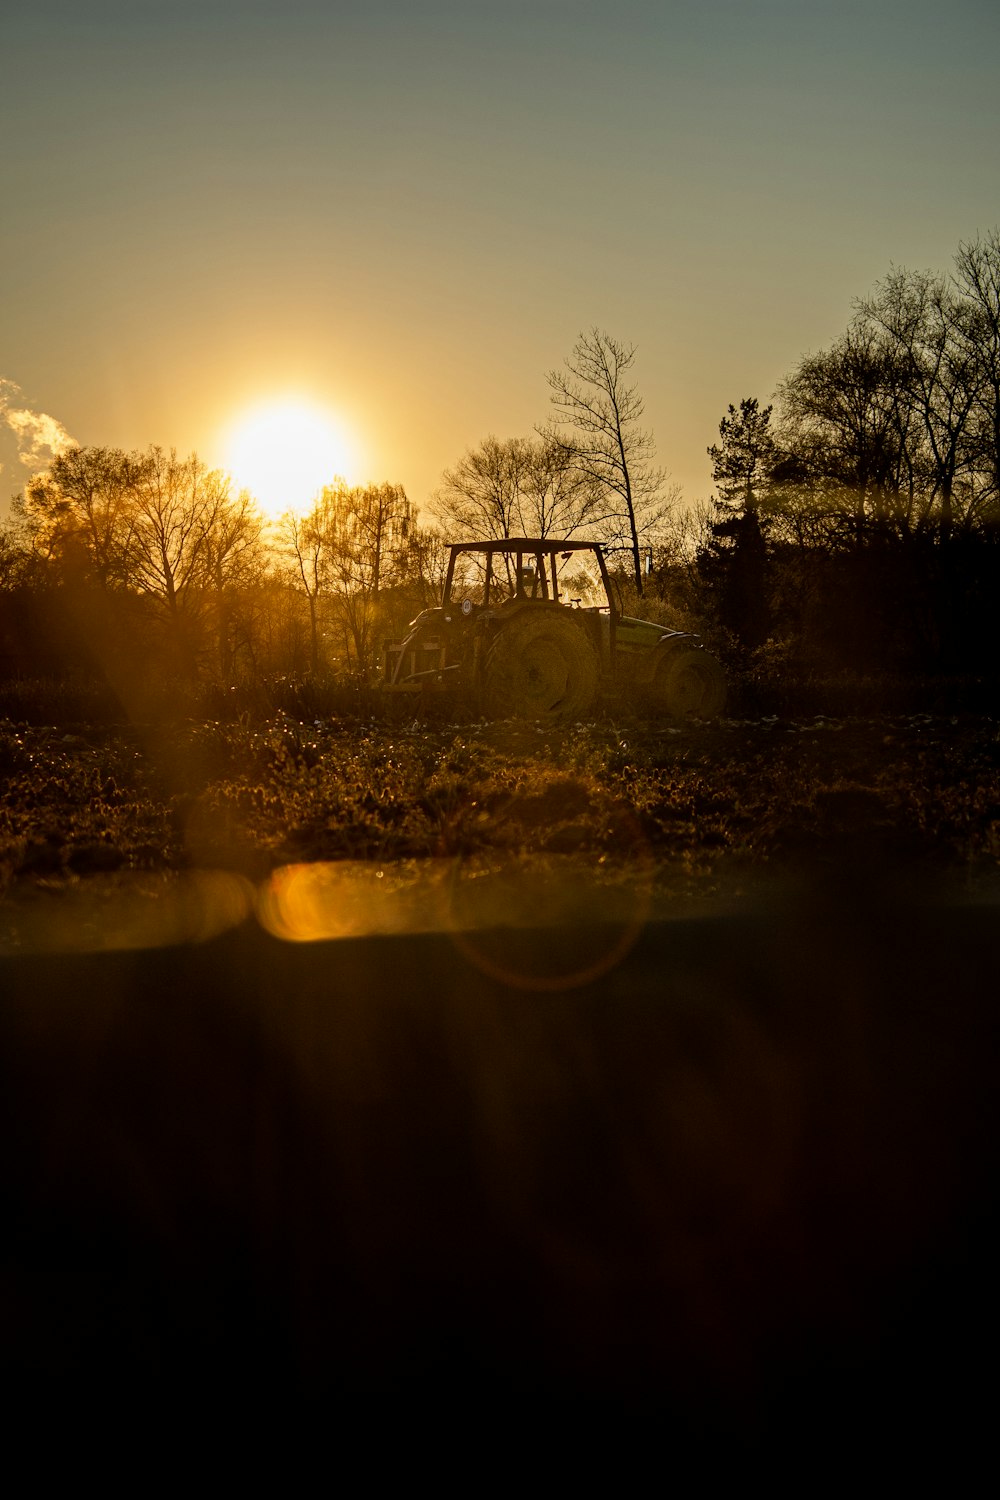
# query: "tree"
{"points": [[880, 504], [369, 526], [928, 328], [736, 557], [236, 566], [177, 548], [82, 508], [478, 498], [897, 424], [608, 448], [379, 524], [18, 556], [559, 498], [742, 463], [977, 282], [348, 548], [848, 432], [517, 487], [306, 544], [423, 566], [152, 545], [150, 524]]}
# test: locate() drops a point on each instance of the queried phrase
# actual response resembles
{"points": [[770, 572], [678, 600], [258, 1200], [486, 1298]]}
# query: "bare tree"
{"points": [[177, 506], [927, 328], [608, 447], [305, 542], [347, 549], [154, 529], [559, 498], [379, 526], [14, 557], [236, 566], [517, 487], [424, 564], [977, 281], [368, 527], [897, 425], [849, 422]]}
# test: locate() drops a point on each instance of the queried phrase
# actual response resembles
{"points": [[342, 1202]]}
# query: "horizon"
{"points": [[407, 218]]}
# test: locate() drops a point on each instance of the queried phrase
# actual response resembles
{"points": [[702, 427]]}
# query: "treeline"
{"points": [[146, 571], [856, 521], [854, 526]]}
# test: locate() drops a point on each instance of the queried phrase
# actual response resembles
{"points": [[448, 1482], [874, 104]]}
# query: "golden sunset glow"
{"points": [[284, 452], [337, 203]]}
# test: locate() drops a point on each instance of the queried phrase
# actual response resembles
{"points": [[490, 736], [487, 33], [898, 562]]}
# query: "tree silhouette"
{"points": [[518, 487], [977, 282], [736, 559], [306, 543], [608, 446], [347, 549], [162, 535], [928, 327], [743, 461], [82, 511]]}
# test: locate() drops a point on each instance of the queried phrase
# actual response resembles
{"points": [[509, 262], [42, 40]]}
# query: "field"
{"points": [[695, 814], [657, 1073]]}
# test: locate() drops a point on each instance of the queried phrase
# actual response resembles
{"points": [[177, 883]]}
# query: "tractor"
{"points": [[534, 628]]}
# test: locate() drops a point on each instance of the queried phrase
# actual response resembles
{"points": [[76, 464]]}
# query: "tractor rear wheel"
{"points": [[541, 666], [688, 684]]}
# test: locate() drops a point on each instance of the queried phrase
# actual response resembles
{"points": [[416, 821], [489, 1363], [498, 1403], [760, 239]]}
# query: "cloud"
{"points": [[38, 437]]}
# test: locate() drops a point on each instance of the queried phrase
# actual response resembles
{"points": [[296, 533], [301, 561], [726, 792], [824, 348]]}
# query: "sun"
{"points": [[285, 451]]}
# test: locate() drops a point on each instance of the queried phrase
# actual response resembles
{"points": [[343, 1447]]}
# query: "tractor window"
{"points": [[483, 578], [531, 581], [469, 578], [495, 578], [580, 580], [503, 578]]}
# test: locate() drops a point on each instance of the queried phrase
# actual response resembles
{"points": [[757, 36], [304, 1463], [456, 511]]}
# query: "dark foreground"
{"points": [[744, 1182]]}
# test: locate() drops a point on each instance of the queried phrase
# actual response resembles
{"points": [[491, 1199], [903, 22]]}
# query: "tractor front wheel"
{"points": [[688, 684]]}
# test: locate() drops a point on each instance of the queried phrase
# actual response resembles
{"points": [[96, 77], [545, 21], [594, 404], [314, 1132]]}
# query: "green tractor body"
{"points": [[533, 628]]}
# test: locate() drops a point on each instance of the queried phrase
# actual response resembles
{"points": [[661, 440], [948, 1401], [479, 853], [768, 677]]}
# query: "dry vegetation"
{"points": [[719, 1171], [709, 809]]}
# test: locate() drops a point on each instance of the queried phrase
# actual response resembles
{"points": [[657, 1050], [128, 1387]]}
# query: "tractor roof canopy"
{"points": [[549, 545]]}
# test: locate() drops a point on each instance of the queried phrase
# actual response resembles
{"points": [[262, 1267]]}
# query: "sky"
{"points": [[406, 211]]}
